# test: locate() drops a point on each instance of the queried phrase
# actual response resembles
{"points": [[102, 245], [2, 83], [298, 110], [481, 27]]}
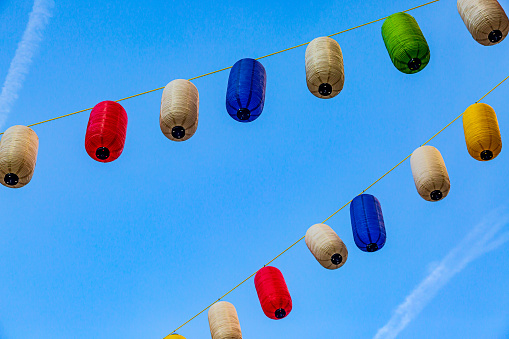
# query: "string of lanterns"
{"points": [[409, 53]]}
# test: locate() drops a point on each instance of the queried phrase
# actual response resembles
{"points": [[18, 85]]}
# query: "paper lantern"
{"points": [[18, 155], [179, 110], [485, 20], [326, 246], [273, 293], [367, 223], [405, 43], [482, 134], [429, 172], [245, 95], [174, 336], [224, 322], [325, 74], [106, 131]]}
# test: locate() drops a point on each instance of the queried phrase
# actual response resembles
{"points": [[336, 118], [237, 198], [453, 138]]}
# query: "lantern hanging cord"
{"points": [[333, 214], [226, 68]]}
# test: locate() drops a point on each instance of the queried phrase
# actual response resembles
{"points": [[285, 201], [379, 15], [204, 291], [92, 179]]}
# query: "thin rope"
{"points": [[226, 68], [333, 214]]}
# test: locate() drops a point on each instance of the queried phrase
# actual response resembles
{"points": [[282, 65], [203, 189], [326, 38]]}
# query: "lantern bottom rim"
{"points": [[486, 155], [243, 114], [414, 64], [372, 247], [102, 153], [11, 179], [280, 313], [495, 36], [336, 259], [178, 132], [436, 195]]}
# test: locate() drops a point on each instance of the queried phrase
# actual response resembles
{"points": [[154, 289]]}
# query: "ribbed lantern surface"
{"points": [[224, 322], [485, 20], [326, 246], [273, 293], [368, 225], [482, 134], [18, 155], [245, 95], [106, 131], [405, 43], [430, 174], [179, 110], [325, 73]]}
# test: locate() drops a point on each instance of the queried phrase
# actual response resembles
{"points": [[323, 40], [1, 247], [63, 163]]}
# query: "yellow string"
{"points": [[333, 214], [226, 68]]}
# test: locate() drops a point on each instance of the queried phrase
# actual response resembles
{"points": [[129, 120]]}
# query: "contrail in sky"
{"points": [[483, 238], [20, 64]]}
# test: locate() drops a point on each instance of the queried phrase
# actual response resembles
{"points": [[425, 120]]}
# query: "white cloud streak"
{"points": [[20, 64], [484, 238]]}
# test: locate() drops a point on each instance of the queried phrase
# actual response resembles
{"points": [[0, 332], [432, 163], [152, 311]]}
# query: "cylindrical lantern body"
{"points": [[273, 293], [179, 110], [245, 95], [482, 134], [485, 20], [106, 131], [405, 43], [325, 73], [224, 322], [326, 246], [367, 223], [18, 155], [430, 174]]}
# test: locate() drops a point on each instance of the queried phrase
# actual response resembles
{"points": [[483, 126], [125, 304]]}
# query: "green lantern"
{"points": [[405, 43]]}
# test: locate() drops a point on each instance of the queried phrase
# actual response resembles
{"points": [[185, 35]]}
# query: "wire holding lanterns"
{"points": [[227, 68], [336, 212]]}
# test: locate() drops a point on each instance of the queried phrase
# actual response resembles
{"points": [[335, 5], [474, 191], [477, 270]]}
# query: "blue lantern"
{"points": [[246, 90], [367, 223]]}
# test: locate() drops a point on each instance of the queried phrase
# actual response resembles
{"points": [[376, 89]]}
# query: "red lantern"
{"points": [[106, 131], [273, 293]]}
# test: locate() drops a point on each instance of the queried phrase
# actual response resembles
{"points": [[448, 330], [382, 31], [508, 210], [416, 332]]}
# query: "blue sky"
{"points": [[134, 248]]}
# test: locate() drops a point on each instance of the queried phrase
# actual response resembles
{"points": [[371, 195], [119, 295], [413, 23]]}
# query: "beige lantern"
{"points": [[18, 155], [325, 74], [224, 322], [429, 172], [485, 20], [482, 134], [179, 110], [326, 246]]}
